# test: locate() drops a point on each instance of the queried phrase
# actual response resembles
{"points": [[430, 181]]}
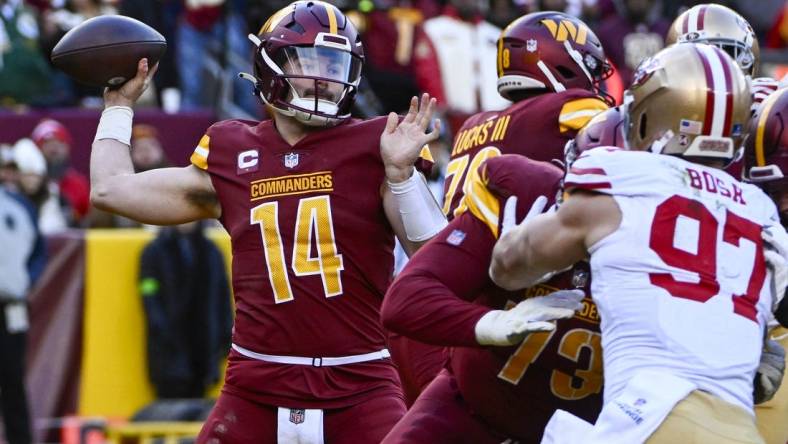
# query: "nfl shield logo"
{"points": [[456, 237], [297, 415], [530, 45], [291, 160]]}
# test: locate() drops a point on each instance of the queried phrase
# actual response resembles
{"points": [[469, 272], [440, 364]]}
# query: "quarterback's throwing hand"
{"points": [[509, 327], [400, 144], [130, 91]]}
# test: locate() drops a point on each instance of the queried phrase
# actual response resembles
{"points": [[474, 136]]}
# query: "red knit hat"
{"points": [[51, 129]]}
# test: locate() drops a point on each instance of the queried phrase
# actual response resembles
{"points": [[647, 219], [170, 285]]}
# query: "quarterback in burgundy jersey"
{"points": [[550, 65], [312, 200], [490, 394]]}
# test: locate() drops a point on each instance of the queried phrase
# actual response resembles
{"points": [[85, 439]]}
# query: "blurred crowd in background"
{"points": [[444, 47]]}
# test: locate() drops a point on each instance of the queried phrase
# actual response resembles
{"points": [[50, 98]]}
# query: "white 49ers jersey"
{"points": [[681, 284]]}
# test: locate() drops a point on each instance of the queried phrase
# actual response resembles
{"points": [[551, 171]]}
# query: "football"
{"points": [[104, 50]]}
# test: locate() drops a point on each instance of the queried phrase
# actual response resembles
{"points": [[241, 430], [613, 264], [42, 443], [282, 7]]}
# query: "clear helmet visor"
{"points": [[319, 72]]}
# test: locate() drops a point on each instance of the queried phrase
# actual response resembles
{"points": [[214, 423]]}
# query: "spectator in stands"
{"points": [[634, 34], [55, 22], [777, 35], [8, 175], [24, 70], [55, 142], [212, 48], [163, 17], [53, 212], [388, 31], [21, 263], [186, 297], [146, 150], [455, 61]]}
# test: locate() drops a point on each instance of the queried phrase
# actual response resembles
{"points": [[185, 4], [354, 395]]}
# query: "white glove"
{"points": [[770, 371], [509, 327], [775, 252], [509, 220]]}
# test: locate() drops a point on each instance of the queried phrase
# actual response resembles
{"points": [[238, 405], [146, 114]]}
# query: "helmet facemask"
{"points": [[739, 52], [315, 84]]}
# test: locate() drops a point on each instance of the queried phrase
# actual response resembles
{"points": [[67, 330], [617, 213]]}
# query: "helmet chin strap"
{"points": [[310, 119], [659, 145], [578, 58]]}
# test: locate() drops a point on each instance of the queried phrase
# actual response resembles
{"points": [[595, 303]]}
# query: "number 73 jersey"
{"points": [[680, 285], [312, 254]]}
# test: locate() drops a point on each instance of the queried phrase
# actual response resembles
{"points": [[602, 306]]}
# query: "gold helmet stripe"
{"points": [[272, 22], [766, 108], [332, 18], [500, 56]]}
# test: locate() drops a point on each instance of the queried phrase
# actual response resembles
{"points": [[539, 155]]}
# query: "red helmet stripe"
{"points": [[726, 68], [719, 99], [701, 16], [707, 119], [692, 20]]}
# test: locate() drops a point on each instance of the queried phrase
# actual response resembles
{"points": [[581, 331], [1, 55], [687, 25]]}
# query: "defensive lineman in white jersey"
{"points": [[677, 259]]}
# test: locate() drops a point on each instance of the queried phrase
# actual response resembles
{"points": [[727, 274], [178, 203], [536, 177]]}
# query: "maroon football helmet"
{"points": [[549, 51], [307, 63], [766, 147]]}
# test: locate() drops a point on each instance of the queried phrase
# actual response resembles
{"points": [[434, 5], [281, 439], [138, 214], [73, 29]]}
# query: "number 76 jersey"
{"points": [[681, 284]]}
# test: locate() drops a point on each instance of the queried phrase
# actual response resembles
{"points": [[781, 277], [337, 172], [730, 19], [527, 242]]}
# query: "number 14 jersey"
{"points": [[680, 285], [312, 257]]}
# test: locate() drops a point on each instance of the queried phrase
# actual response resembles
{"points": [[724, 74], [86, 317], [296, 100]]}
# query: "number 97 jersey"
{"points": [[680, 284]]}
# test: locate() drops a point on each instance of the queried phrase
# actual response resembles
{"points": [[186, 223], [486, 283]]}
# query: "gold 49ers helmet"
{"points": [[719, 26], [690, 100]]}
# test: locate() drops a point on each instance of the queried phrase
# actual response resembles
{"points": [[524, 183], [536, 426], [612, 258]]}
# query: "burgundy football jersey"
{"points": [[312, 257], [516, 389], [538, 128]]}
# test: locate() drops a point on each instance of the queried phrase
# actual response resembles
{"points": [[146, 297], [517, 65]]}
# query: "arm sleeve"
{"points": [[430, 301]]}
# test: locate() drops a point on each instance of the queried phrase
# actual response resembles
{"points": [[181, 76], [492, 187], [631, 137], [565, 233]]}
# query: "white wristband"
{"points": [[421, 215], [115, 124]]}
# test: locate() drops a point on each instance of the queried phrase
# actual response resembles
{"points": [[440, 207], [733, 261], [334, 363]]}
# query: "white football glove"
{"points": [[509, 220], [509, 327], [770, 371], [775, 252]]}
